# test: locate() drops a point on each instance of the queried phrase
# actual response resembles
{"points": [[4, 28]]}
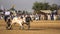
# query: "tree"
{"points": [[13, 9], [40, 6], [23, 12], [37, 6], [46, 6], [59, 7], [54, 7], [19, 12]]}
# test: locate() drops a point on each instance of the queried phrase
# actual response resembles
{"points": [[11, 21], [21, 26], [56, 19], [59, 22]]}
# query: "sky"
{"points": [[24, 4]]}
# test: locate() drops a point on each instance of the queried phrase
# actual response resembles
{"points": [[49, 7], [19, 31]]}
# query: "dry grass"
{"points": [[37, 27]]}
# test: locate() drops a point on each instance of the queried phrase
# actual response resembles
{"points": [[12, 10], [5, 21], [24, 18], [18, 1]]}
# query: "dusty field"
{"points": [[37, 27]]}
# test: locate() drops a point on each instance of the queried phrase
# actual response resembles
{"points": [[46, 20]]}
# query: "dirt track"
{"points": [[37, 27]]}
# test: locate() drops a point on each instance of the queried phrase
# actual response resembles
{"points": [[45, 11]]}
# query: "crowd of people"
{"points": [[8, 16]]}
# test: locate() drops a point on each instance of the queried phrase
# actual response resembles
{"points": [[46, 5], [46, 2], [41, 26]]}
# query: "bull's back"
{"points": [[17, 20]]}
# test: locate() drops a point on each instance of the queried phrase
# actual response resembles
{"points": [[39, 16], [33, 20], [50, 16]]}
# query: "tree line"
{"points": [[37, 6]]}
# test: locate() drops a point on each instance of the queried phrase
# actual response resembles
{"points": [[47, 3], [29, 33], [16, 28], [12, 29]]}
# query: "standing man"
{"points": [[6, 18], [28, 19]]}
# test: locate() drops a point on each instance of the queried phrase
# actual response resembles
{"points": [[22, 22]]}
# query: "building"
{"points": [[45, 14], [58, 12]]}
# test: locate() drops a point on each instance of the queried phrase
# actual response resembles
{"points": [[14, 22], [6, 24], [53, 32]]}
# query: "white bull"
{"points": [[17, 20]]}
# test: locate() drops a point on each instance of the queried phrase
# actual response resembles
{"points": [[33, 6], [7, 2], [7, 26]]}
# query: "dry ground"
{"points": [[37, 27]]}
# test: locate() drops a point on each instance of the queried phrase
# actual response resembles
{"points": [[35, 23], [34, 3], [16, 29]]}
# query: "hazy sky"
{"points": [[24, 4]]}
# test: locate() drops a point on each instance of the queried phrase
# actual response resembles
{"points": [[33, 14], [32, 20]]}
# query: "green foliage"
{"points": [[37, 6], [40, 6]]}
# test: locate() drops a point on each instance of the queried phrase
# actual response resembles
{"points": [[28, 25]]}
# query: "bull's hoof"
{"points": [[11, 28], [8, 28]]}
